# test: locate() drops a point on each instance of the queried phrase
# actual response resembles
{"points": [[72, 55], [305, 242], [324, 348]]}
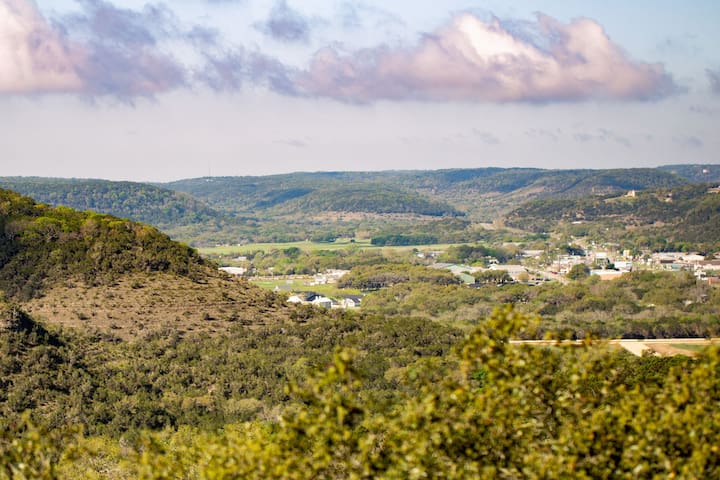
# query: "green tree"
{"points": [[578, 272]]}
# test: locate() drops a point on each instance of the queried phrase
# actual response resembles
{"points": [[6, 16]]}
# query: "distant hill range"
{"points": [[101, 272], [218, 209], [309, 193], [482, 193]]}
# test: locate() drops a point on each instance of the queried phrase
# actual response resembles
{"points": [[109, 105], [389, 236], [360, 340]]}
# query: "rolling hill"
{"points": [[687, 213], [695, 173], [298, 206], [96, 271], [482, 193], [137, 201]]}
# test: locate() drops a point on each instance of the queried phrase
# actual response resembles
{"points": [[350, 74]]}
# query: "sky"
{"points": [[153, 91]]}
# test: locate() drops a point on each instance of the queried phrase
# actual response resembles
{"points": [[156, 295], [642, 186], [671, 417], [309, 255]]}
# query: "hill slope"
{"points": [[98, 271], [321, 192], [695, 173], [136, 201], [483, 192], [689, 213]]}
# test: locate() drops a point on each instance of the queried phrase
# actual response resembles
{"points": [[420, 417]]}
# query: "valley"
{"points": [[345, 326]]}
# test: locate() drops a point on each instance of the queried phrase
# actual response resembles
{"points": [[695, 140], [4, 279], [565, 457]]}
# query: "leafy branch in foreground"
{"points": [[495, 410]]}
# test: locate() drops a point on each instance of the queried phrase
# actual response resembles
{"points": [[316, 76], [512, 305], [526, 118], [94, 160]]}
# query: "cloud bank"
{"points": [[122, 49], [110, 51], [473, 60]]}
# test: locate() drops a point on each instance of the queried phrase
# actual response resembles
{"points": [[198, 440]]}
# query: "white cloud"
{"points": [[473, 60], [33, 57]]}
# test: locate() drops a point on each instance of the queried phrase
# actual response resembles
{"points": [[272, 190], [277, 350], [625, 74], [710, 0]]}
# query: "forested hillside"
{"points": [[42, 245], [689, 213], [137, 201], [327, 205], [695, 173], [482, 192], [113, 275]]}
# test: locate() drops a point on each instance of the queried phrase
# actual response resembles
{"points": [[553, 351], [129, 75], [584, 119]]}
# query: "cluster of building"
{"points": [[605, 265]]}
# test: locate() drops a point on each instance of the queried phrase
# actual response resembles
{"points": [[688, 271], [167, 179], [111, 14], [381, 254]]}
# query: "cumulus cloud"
{"points": [[103, 50], [286, 24], [714, 79], [473, 60], [124, 55], [109, 51], [33, 56]]}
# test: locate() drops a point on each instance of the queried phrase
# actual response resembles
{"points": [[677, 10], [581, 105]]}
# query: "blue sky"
{"points": [[162, 91]]}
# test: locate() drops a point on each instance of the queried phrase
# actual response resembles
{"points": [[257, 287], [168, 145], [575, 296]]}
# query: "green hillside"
{"points": [[483, 193], [40, 245], [312, 193], [136, 201], [104, 274], [368, 198], [695, 173], [326, 205], [689, 213]]}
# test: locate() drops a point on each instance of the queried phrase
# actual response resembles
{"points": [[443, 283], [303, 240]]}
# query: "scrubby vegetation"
{"points": [[638, 305], [373, 277], [488, 409]]}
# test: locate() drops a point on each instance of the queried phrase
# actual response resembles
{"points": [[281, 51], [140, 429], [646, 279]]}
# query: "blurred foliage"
{"points": [[491, 409]]}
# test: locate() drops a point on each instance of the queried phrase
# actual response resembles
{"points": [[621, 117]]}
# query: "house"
{"points": [[623, 266], [328, 276], [236, 271], [513, 270], [309, 297], [607, 274], [351, 301], [322, 301]]}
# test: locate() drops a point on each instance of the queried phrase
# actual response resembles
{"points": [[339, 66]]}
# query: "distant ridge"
{"points": [[482, 192]]}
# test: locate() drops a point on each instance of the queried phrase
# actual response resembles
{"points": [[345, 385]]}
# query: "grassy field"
{"points": [[225, 250]]}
